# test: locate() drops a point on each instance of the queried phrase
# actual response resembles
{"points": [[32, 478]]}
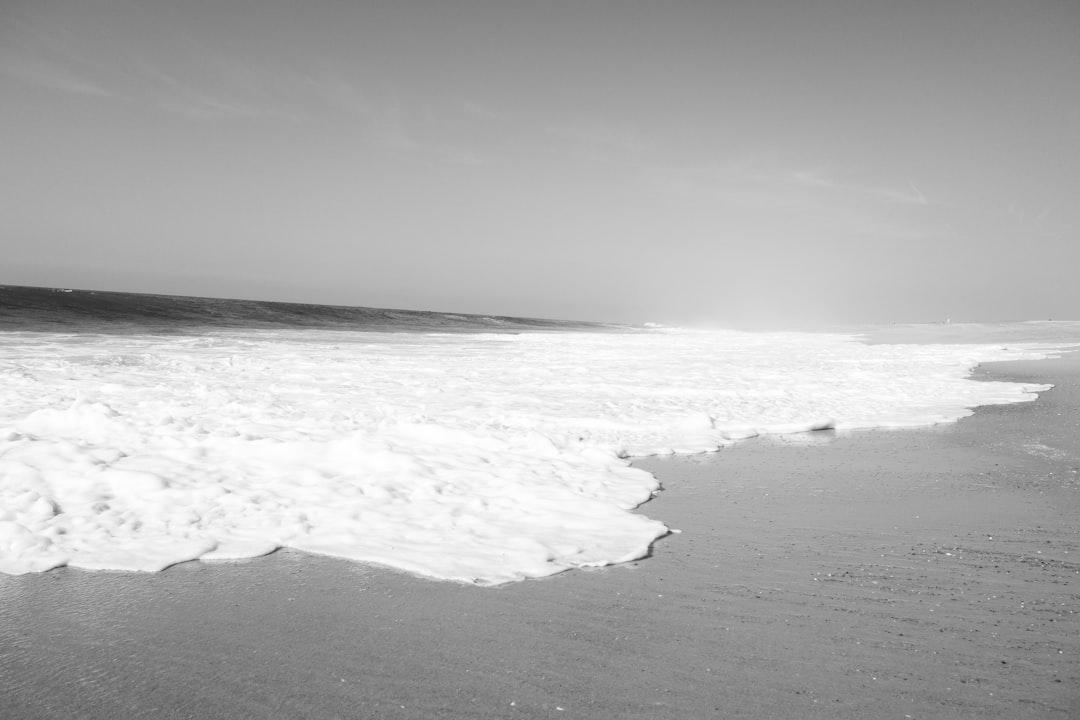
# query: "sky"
{"points": [[769, 163]]}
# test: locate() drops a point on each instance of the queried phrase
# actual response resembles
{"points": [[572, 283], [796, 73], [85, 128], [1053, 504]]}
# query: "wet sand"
{"points": [[929, 573]]}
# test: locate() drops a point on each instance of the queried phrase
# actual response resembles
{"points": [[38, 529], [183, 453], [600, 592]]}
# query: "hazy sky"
{"points": [[741, 163]]}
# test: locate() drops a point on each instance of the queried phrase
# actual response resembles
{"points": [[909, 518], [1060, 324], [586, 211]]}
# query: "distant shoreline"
{"points": [[23, 308]]}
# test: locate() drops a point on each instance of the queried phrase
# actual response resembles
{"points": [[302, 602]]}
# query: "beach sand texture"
{"points": [[930, 573]]}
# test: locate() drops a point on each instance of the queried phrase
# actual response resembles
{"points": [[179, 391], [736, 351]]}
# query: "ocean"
{"points": [[141, 431]]}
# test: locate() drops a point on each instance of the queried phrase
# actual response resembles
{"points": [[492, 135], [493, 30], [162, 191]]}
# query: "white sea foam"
{"points": [[484, 458]]}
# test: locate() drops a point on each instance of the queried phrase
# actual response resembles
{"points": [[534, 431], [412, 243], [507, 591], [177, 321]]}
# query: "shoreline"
{"points": [[927, 572]]}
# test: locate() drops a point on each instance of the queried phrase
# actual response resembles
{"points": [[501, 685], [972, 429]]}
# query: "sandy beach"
{"points": [[930, 573]]}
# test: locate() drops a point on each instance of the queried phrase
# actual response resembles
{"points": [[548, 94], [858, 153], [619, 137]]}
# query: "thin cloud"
{"points": [[189, 100], [911, 195], [337, 92], [596, 140], [206, 107], [480, 111], [382, 124], [404, 126], [739, 185], [797, 198], [811, 179], [1041, 223], [40, 73]]}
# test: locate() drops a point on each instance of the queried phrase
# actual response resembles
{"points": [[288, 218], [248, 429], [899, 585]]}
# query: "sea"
{"points": [[141, 431]]}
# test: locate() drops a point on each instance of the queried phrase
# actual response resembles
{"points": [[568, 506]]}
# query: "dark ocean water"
{"points": [[62, 310]]}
